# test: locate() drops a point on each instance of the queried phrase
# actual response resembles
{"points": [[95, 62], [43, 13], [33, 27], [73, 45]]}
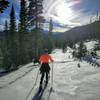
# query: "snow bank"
{"points": [[90, 45]]}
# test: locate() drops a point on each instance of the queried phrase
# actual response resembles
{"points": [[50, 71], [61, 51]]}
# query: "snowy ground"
{"points": [[90, 45], [70, 82]]}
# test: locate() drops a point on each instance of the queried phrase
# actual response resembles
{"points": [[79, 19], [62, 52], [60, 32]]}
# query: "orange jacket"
{"points": [[46, 58]]}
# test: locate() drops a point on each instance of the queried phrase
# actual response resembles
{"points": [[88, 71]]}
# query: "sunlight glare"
{"points": [[63, 11]]}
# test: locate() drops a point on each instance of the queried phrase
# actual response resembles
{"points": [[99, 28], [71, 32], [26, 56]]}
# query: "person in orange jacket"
{"points": [[45, 68]]}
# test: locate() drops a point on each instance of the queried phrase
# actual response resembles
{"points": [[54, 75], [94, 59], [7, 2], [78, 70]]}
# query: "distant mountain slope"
{"points": [[76, 34]]}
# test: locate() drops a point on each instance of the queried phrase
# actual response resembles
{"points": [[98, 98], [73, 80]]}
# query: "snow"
{"points": [[90, 45], [98, 52], [69, 81]]}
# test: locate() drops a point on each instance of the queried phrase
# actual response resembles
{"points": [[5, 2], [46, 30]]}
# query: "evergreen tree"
{"points": [[51, 44], [3, 5], [50, 27], [31, 13], [23, 16], [6, 32], [64, 46], [82, 50], [35, 21], [35, 18], [13, 43], [22, 32], [5, 51]]}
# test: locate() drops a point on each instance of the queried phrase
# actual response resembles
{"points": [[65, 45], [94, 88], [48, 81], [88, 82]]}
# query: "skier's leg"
{"points": [[42, 76], [46, 78]]}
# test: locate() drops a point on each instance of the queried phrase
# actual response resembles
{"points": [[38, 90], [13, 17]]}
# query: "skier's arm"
{"points": [[40, 60], [51, 59]]}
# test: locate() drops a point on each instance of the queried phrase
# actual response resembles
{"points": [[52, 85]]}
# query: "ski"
{"points": [[39, 93], [47, 96]]}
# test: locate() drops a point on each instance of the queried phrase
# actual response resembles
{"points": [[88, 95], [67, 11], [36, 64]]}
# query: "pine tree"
{"points": [[35, 18], [31, 13], [64, 46], [6, 32], [35, 21], [50, 27], [82, 50], [23, 16], [50, 35], [3, 5], [22, 31], [13, 43], [5, 51]]}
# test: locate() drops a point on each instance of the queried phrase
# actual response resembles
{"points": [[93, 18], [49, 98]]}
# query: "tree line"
{"points": [[21, 44]]}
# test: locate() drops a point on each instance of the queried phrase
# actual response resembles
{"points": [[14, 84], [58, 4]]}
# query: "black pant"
{"points": [[45, 68], [42, 77]]}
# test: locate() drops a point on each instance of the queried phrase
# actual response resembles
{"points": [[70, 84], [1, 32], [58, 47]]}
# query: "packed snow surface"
{"points": [[69, 81]]}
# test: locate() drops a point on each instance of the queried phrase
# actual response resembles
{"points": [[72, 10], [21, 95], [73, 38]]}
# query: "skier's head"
{"points": [[45, 50]]}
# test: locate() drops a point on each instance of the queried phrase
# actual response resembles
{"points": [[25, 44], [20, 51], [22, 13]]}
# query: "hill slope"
{"points": [[70, 82]]}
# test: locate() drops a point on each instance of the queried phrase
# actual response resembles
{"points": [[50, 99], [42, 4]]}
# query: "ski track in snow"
{"points": [[13, 77], [70, 82]]}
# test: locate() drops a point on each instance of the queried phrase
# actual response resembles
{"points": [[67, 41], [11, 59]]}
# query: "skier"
{"points": [[45, 68]]}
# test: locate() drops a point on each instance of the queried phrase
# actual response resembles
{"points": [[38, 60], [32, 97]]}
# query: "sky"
{"points": [[65, 14]]}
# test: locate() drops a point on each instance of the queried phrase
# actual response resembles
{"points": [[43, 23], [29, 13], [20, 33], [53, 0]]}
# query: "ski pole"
{"points": [[52, 78]]}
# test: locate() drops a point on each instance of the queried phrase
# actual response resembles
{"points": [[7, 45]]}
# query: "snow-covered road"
{"points": [[70, 82]]}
